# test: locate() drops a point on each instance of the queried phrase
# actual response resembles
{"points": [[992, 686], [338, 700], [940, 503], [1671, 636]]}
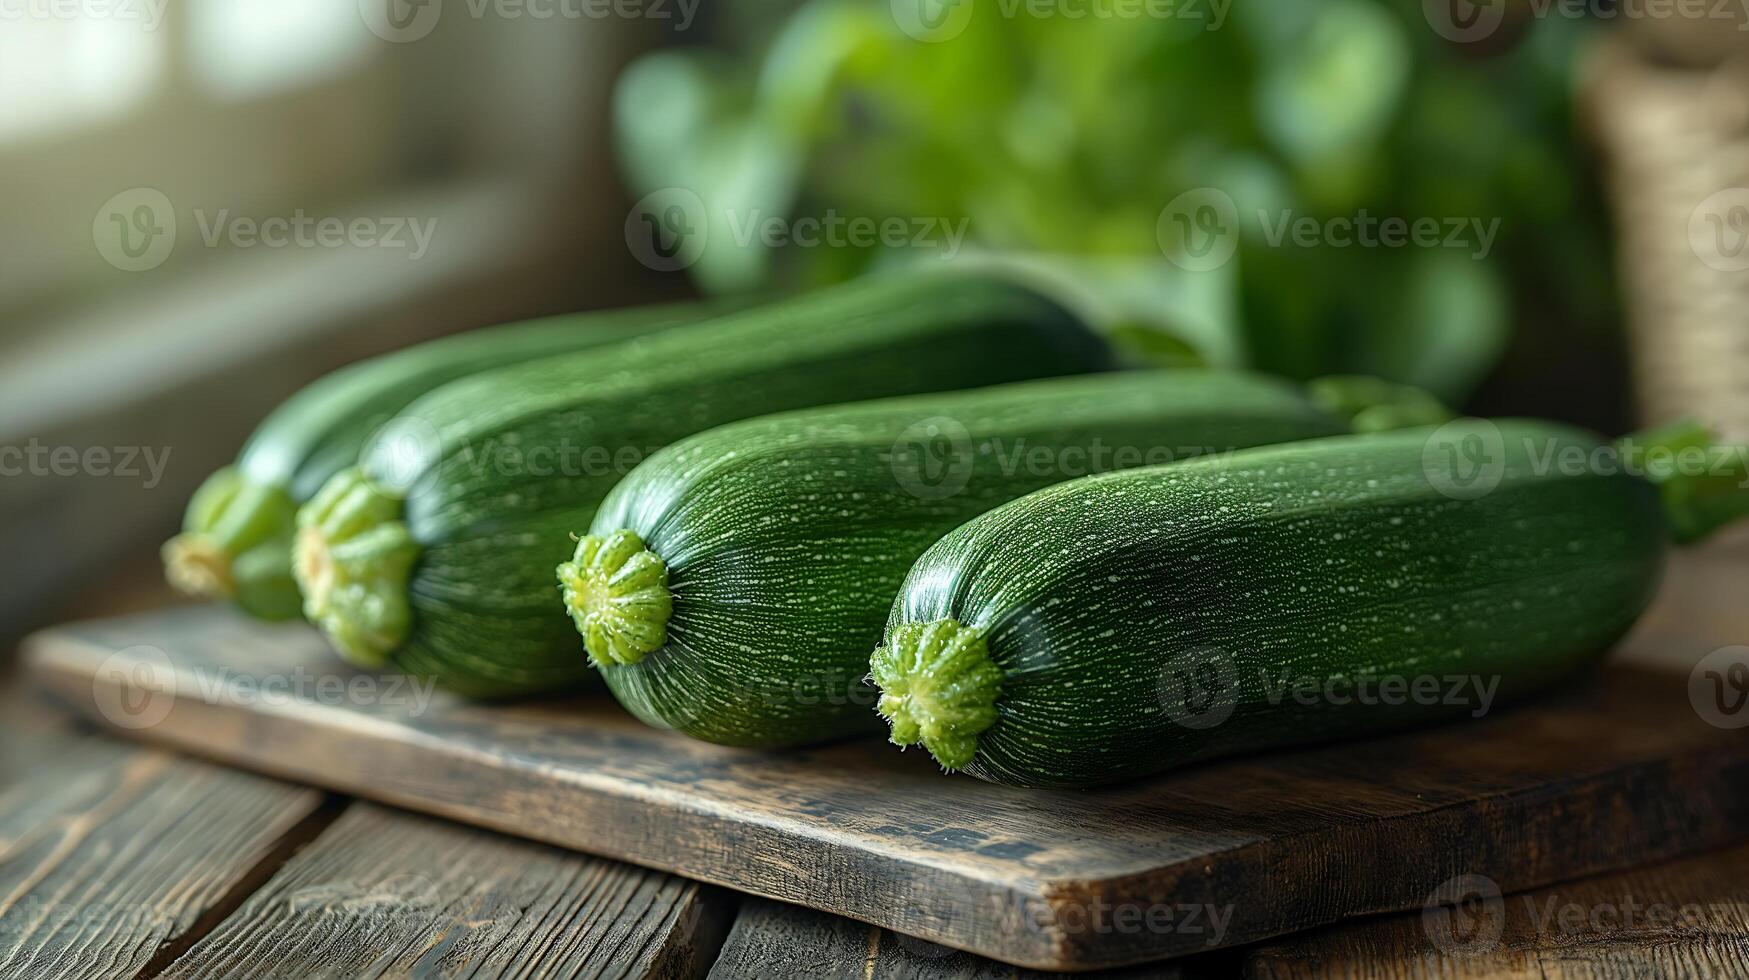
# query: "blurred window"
{"points": [[241, 48], [58, 73], [145, 141], [214, 106]]}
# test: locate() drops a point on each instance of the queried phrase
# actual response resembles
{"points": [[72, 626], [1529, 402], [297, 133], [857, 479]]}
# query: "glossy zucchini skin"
{"points": [[236, 540], [1124, 624], [479, 531], [785, 538]]}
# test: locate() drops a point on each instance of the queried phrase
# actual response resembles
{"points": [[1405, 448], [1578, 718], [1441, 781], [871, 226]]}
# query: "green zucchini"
{"points": [[434, 555], [1123, 624], [236, 539], [732, 585]]}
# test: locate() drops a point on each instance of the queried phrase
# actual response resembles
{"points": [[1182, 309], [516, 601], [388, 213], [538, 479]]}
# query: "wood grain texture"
{"points": [[1687, 918], [774, 940], [388, 894], [110, 853], [1618, 770]]}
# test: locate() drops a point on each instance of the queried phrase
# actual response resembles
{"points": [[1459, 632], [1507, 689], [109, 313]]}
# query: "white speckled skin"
{"points": [[1332, 558]]}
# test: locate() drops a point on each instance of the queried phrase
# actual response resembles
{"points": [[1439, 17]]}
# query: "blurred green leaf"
{"points": [[1441, 326], [1327, 94], [1059, 142]]}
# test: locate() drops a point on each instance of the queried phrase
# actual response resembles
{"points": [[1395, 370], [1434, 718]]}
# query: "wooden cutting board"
{"points": [[1618, 770]]}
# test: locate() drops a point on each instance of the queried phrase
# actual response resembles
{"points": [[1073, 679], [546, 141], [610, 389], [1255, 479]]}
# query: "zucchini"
{"points": [[236, 539], [433, 556], [1123, 624], [732, 586]]}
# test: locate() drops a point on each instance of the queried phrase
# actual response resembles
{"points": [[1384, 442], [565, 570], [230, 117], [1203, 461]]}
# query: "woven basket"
{"points": [[1676, 141]]}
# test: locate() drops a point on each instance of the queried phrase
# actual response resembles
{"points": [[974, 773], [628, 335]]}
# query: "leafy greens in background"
{"points": [[1059, 142]]}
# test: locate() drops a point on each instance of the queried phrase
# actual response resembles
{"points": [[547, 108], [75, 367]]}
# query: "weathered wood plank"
{"points": [[389, 894], [771, 939], [1687, 918], [1618, 769], [110, 853]]}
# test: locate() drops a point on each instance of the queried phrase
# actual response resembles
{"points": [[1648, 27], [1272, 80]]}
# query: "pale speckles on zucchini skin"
{"points": [[786, 537], [1326, 559]]}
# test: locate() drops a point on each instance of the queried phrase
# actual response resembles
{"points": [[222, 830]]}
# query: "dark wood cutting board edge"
{"points": [[1031, 878]]}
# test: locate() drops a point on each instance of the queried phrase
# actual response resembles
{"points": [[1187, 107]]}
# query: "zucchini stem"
{"points": [[196, 567], [236, 544], [616, 591], [1375, 405], [938, 687], [353, 559], [1704, 486]]}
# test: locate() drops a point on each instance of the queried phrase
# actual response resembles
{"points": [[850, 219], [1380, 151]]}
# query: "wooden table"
{"points": [[119, 860]]}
